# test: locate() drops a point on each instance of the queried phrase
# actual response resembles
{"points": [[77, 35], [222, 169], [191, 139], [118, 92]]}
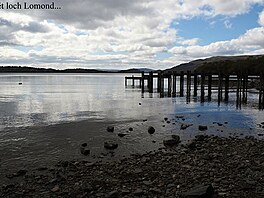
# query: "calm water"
{"points": [[49, 115]]}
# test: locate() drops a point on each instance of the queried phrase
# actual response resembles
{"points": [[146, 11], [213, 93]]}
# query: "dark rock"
{"points": [[171, 142], [165, 119], [145, 120], [185, 126], [113, 194], [110, 145], [200, 191], [138, 192], [121, 134], [151, 130], [20, 83], [139, 103], [155, 190], [168, 122], [84, 150], [130, 129], [110, 129], [200, 137], [176, 137], [202, 127]]}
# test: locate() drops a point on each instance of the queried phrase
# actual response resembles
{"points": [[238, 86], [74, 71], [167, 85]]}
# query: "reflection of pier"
{"points": [[191, 82]]}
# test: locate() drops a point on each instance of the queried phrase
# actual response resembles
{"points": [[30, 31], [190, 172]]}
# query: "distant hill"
{"points": [[25, 69], [136, 70], [224, 64]]}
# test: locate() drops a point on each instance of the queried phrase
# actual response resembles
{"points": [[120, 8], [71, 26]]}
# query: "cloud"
{"points": [[228, 24], [117, 33], [261, 18]]}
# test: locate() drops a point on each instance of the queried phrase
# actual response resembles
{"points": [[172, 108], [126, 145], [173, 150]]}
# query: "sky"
{"points": [[122, 34]]}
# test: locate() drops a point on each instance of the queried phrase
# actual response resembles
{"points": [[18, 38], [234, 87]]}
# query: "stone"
{"points": [[110, 129], [113, 194], [138, 192], [110, 145], [176, 137], [56, 188], [84, 150], [171, 142], [130, 129], [151, 130], [200, 191], [202, 127], [121, 134], [139, 103], [165, 119], [185, 126]]}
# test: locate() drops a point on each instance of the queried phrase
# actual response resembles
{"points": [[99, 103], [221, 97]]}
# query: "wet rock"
{"points": [[84, 150], [113, 194], [202, 127], [56, 188], [171, 142], [110, 145], [121, 134], [185, 126], [151, 130], [176, 137], [110, 129], [155, 190], [138, 192], [200, 191]]}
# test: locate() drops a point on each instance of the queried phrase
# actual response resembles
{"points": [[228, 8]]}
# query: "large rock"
{"points": [[200, 191], [84, 150], [202, 127], [110, 129], [172, 142], [185, 126], [110, 145], [151, 130]]}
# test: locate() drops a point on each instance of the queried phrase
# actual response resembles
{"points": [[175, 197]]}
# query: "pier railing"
{"points": [[190, 82]]}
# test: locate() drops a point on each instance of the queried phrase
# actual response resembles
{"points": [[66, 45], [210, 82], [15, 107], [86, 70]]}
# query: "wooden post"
{"points": [[133, 81], [174, 84], [238, 101], [202, 87], [143, 82], [162, 85], [151, 82], [159, 82], [126, 81], [169, 85], [188, 84], [220, 79], [195, 84], [209, 87], [226, 88], [181, 83]]}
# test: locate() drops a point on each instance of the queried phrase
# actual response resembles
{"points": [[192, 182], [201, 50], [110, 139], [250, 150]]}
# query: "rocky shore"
{"points": [[219, 167]]}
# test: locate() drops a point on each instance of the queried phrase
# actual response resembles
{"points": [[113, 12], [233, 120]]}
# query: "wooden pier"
{"points": [[191, 82]]}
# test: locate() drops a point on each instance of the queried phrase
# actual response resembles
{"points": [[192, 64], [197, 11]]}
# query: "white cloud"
{"points": [[227, 24], [117, 33], [261, 18]]}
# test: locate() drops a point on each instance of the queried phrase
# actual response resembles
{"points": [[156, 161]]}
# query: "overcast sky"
{"points": [[120, 34]]}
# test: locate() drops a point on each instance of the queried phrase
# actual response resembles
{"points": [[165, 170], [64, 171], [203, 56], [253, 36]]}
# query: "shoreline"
{"points": [[234, 167]]}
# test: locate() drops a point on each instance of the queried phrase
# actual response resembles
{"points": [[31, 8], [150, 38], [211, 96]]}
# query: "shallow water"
{"points": [[47, 117]]}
